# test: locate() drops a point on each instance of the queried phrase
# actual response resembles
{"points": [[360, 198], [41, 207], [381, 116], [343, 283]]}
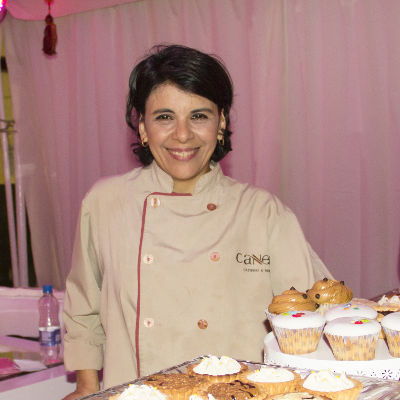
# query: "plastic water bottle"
{"points": [[49, 327]]}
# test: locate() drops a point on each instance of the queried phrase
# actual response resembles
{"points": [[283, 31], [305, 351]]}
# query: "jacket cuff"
{"points": [[82, 355]]}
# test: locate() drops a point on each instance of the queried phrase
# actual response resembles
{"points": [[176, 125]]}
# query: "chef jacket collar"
{"points": [[164, 182]]}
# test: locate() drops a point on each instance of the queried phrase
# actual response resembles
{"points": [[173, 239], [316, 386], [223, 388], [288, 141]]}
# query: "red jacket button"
{"points": [[211, 206]]}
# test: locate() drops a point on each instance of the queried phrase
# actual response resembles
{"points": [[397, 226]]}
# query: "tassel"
{"points": [[50, 34]]}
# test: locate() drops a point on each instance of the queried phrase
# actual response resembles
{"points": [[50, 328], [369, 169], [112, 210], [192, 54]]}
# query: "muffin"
{"points": [[178, 386], [140, 392], [350, 310], [272, 380], [329, 293], [298, 396], [334, 386], [391, 326], [298, 332], [290, 300], [214, 369], [388, 304], [353, 339], [237, 390]]}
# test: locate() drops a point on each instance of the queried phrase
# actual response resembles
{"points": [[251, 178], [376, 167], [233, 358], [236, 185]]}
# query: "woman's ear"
{"points": [[142, 129], [222, 121]]}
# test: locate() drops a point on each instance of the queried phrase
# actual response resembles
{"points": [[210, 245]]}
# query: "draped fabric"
{"points": [[316, 115]]}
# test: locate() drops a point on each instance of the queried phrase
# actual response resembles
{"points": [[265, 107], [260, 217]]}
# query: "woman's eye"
{"points": [[163, 117], [199, 116]]}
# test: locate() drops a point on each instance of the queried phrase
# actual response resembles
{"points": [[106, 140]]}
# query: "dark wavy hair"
{"points": [[190, 70]]}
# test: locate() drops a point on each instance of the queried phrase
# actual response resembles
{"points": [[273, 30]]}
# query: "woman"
{"points": [[175, 260]]}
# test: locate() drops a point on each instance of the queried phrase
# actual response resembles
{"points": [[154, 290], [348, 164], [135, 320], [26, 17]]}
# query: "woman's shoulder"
{"points": [[112, 186], [254, 195]]}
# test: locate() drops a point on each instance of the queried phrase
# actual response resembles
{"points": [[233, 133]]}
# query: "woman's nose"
{"points": [[183, 132]]}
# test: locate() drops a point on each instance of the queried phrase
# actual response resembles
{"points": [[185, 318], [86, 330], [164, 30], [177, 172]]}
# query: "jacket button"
{"points": [[148, 322], [211, 206], [202, 324], [214, 256], [155, 202], [148, 259]]}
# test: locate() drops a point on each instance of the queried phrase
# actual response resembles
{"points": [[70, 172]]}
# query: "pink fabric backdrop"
{"points": [[315, 119]]}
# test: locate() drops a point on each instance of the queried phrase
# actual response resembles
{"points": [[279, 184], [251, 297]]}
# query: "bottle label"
{"points": [[50, 336]]}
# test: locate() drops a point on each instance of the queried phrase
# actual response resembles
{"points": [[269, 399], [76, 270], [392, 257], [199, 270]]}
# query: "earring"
{"points": [[145, 143], [220, 139]]}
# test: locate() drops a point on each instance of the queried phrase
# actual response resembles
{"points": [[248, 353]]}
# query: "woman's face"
{"points": [[181, 129]]}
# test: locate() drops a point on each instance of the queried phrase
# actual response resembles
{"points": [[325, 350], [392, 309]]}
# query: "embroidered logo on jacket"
{"points": [[253, 262]]}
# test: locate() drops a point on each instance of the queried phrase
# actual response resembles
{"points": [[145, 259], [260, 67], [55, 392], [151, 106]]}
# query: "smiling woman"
{"points": [[174, 259]]}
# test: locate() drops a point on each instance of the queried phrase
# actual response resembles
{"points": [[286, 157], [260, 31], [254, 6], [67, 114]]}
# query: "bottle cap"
{"points": [[47, 289]]}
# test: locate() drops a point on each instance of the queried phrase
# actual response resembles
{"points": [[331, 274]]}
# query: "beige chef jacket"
{"points": [[159, 278]]}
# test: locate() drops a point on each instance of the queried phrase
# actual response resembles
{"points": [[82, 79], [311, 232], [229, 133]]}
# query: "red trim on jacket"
{"points": [[139, 262]]}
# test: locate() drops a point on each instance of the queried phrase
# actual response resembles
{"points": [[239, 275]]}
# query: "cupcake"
{"points": [[214, 369], [329, 293], [237, 390], [140, 392], [391, 326], [350, 310], [178, 386], [298, 396], [334, 386], [388, 304], [298, 332], [272, 380], [290, 300], [353, 339]]}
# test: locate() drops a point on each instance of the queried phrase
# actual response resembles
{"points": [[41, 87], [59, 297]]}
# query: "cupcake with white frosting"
{"points": [[334, 386], [353, 339], [391, 325], [350, 310], [215, 369], [272, 380], [298, 332], [140, 392], [298, 396]]}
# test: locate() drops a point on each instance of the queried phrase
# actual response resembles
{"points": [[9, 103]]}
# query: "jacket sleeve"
{"points": [[84, 339], [293, 261]]}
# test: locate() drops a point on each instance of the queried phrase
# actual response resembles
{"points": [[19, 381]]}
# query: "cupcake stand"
{"points": [[373, 388], [384, 366]]}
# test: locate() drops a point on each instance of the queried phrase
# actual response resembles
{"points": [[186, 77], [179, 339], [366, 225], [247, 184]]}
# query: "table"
{"points": [[49, 384]]}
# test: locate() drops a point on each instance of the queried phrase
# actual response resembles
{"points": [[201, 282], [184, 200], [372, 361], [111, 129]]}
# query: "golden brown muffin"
{"points": [[178, 386], [291, 300], [237, 390], [330, 291]]}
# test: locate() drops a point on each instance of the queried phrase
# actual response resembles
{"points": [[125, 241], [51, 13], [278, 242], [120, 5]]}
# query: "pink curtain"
{"points": [[315, 117]]}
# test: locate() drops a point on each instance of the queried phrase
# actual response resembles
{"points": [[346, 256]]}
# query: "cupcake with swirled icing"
{"points": [[329, 293], [272, 380], [353, 339], [298, 332], [334, 386], [291, 300], [215, 369]]}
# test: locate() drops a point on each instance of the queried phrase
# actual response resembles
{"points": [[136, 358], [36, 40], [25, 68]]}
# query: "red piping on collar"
{"points": [[139, 262]]}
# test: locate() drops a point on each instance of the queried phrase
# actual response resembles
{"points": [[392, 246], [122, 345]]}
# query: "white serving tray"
{"points": [[383, 366]]}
